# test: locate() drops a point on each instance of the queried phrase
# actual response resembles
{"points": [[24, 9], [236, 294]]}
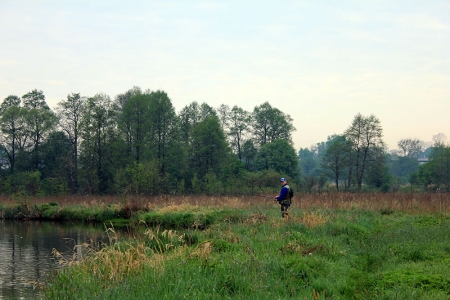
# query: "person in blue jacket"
{"points": [[284, 198]]}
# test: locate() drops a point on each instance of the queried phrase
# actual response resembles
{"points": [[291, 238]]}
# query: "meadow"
{"points": [[333, 246]]}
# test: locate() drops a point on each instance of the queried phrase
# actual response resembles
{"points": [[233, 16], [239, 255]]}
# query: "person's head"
{"points": [[283, 180]]}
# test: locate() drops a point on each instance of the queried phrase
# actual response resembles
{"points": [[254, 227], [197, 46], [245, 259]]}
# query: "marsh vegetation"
{"points": [[333, 246]]}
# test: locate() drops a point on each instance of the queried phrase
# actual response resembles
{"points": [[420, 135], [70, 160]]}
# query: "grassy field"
{"points": [[333, 246]]}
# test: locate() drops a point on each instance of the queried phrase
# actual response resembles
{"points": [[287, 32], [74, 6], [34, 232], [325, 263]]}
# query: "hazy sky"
{"points": [[322, 62]]}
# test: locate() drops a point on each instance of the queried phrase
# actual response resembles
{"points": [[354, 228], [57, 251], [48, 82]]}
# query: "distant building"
{"points": [[422, 160]]}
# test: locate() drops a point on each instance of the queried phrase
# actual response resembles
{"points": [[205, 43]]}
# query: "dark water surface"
{"points": [[26, 258]]}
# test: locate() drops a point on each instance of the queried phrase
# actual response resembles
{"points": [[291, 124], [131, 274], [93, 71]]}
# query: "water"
{"points": [[26, 258]]}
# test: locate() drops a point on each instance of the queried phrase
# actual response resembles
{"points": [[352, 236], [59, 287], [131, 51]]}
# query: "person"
{"points": [[283, 199]]}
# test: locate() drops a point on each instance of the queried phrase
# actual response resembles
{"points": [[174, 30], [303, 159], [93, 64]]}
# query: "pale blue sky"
{"points": [[320, 61]]}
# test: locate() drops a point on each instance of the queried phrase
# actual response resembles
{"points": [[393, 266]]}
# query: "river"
{"points": [[26, 258]]}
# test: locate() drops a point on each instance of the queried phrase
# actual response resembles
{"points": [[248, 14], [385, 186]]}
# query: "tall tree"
{"points": [[365, 134], [97, 131], [69, 113], [439, 162], [239, 122], [12, 118], [278, 156], [223, 112], [270, 124], [307, 161], [208, 148], [335, 162], [248, 153], [132, 120], [164, 131], [192, 114], [411, 147], [40, 122], [134, 123]]}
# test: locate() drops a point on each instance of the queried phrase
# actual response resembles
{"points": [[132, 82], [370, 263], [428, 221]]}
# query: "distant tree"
{"points": [[57, 160], [278, 156], [223, 112], [164, 129], [192, 114], [133, 121], [411, 147], [270, 124], [14, 139], [8, 102], [439, 162], [439, 139], [307, 161], [378, 175], [239, 122], [402, 166], [335, 162], [208, 148], [69, 113], [248, 154], [97, 131], [365, 134], [40, 122]]}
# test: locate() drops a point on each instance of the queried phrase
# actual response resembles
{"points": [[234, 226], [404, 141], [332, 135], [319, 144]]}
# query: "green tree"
{"points": [[192, 114], [57, 162], [14, 139], [378, 175], [40, 122], [278, 156], [209, 151], [335, 162], [439, 162], [270, 124], [307, 161], [365, 134], [402, 166], [248, 154], [69, 113], [223, 112], [97, 131], [133, 121], [410, 147], [164, 129], [239, 122]]}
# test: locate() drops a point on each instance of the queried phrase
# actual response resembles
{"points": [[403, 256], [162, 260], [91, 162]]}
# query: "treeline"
{"points": [[138, 144], [358, 160]]}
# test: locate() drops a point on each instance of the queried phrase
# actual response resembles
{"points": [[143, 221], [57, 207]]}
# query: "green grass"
{"points": [[253, 254]]}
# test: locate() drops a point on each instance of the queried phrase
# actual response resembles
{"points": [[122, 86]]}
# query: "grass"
{"points": [[340, 246]]}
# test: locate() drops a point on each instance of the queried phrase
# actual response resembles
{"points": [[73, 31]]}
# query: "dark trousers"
{"points": [[284, 210]]}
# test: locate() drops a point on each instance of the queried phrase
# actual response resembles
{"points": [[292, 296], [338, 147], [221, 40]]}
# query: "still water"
{"points": [[26, 258]]}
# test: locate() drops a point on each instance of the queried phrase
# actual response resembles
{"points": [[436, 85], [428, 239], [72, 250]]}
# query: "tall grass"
{"points": [[106, 208], [330, 248]]}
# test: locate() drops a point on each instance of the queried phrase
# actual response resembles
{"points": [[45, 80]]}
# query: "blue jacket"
{"points": [[284, 195]]}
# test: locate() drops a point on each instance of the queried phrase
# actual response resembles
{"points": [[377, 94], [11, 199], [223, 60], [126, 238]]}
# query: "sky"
{"points": [[321, 62]]}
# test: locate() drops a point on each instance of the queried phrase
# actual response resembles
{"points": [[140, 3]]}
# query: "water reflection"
{"points": [[26, 257]]}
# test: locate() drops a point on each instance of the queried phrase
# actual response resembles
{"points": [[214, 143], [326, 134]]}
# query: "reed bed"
{"points": [[327, 249], [407, 202]]}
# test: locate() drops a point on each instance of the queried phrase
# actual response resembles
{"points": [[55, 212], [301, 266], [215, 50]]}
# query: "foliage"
{"points": [[317, 254], [365, 135], [280, 156], [270, 124], [436, 172], [138, 144]]}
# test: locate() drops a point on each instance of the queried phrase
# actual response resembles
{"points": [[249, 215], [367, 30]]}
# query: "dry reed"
{"points": [[410, 202]]}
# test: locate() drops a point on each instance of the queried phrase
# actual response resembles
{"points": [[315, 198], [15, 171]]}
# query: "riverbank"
{"points": [[121, 209], [250, 252]]}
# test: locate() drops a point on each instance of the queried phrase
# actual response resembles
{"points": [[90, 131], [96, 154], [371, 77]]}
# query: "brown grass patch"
{"points": [[313, 219], [410, 202]]}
